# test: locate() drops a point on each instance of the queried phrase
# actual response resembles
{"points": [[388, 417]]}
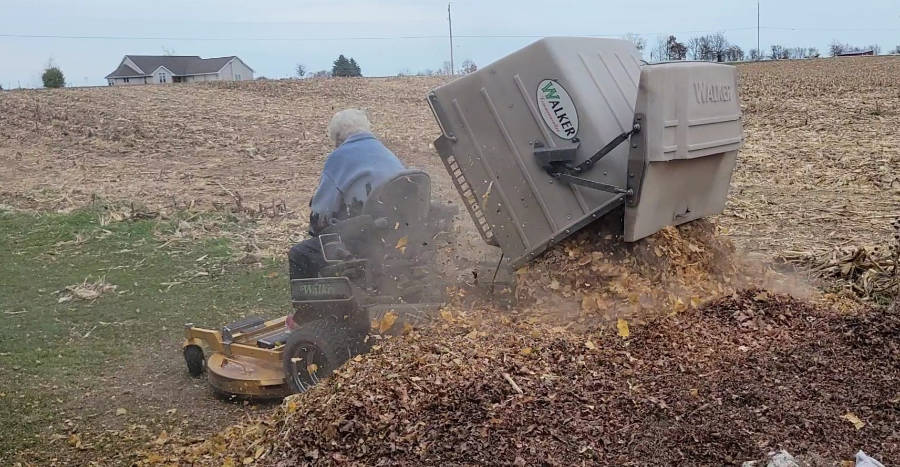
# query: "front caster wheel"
{"points": [[193, 356]]}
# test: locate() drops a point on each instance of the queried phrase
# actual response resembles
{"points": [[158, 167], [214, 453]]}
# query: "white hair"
{"points": [[347, 123]]}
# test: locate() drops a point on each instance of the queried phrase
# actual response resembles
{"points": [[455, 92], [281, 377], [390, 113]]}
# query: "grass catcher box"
{"points": [[558, 134]]}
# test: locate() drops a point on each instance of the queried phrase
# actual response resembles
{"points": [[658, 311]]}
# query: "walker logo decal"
{"points": [[319, 289], [557, 109], [712, 92]]}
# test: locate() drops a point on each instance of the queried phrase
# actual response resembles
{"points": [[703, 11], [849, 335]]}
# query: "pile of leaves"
{"points": [[870, 273], [727, 382], [595, 276]]}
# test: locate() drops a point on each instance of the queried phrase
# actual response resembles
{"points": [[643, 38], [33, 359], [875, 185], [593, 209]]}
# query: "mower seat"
{"points": [[405, 198], [403, 201]]}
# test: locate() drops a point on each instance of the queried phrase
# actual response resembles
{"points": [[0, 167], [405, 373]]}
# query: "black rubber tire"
{"points": [[318, 343], [193, 356]]}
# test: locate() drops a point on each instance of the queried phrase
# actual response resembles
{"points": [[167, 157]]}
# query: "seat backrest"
{"points": [[403, 200]]}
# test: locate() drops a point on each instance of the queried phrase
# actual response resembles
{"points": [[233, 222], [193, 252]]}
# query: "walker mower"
{"points": [[538, 144], [377, 263]]}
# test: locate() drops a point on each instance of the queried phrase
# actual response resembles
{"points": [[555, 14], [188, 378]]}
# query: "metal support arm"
{"points": [[592, 184], [558, 161]]}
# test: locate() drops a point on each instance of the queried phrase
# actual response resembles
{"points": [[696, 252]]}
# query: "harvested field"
{"points": [[820, 167], [254, 148]]}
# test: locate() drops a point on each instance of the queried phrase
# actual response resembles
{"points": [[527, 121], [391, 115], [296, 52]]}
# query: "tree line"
{"points": [[710, 47], [348, 67], [717, 48]]}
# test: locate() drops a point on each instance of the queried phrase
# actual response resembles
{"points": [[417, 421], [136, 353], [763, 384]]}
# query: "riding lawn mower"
{"points": [[378, 267], [538, 144]]}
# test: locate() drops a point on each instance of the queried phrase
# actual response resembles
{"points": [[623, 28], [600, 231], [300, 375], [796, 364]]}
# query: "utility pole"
{"points": [[450, 23], [758, 52]]}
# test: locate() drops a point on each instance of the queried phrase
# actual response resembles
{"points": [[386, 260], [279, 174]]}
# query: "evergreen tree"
{"points": [[354, 67], [53, 78], [341, 66], [346, 68]]}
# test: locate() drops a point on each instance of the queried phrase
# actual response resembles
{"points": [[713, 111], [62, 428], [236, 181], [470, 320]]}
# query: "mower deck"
{"points": [[245, 357]]}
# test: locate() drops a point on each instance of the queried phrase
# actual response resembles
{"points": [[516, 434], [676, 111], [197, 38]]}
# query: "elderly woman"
{"points": [[359, 164]]}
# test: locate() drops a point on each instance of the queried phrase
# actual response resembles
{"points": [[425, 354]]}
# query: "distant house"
{"points": [[163, 69], [857, 54]]}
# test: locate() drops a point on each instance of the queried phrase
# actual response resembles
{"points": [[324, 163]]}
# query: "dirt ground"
{"points": [[820, 168]]}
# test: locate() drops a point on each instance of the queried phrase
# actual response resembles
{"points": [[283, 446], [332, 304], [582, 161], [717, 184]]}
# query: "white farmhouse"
{"points": [[163, 69]]}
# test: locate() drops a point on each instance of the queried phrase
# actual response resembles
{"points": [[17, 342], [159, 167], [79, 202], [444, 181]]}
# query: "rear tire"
{"points": [[193, 356], [312, 352]]}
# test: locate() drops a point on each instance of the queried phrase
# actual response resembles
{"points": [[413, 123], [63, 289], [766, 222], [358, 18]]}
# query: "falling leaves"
{"points": [[603, 277], [401, 244], [622, 327], [387, 322]]}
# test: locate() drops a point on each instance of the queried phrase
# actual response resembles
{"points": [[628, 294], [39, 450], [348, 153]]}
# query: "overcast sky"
{"points": [[389, 36]]}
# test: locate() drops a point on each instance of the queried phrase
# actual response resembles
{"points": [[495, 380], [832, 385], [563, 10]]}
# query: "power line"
{"points": [[334, 38], [418, 37]]}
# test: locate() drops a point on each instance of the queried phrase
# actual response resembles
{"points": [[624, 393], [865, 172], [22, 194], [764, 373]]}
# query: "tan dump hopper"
{"points": [[563, 131]]}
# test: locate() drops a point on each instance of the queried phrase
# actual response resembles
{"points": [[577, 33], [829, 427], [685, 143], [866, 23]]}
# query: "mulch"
{"points": [[721, 384]]}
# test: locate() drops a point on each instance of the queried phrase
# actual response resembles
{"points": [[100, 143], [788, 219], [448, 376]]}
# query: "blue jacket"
{"points": [[351, 172]]}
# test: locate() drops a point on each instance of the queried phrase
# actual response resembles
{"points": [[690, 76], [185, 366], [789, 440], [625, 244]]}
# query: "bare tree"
{"points": [[734, 53], [718, 46], [779, 52], [639, 42], [469, 66], [708, 47], [660, 51], [836, 48], [754, 54], [693, 47]]}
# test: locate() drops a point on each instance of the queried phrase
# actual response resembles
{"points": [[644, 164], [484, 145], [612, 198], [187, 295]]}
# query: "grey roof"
{"points": [[125, 71], [179, 65]]}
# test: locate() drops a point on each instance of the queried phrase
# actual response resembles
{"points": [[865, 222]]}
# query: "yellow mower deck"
{"points": [[241, 366]]}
